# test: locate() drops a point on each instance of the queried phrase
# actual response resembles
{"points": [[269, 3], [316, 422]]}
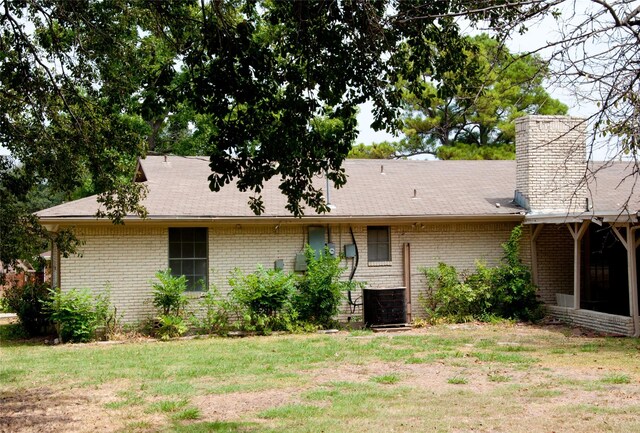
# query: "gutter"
{"points": [[390, 219], [556, 218]]}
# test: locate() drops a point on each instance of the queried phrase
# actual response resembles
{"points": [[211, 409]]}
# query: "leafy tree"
{"points": [[475, 121], [384, 150]]}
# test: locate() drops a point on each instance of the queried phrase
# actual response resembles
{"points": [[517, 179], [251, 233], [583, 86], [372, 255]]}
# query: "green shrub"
{"points": [[460, 298], [170, 299], [168, 294], [264, 298], [505, 291], [515, 293], [218, 313], [170, 326], [320, 290], [28, 304], [75, 314], [4, 307]]}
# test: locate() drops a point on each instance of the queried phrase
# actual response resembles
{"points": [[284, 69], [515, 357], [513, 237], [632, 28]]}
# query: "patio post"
{"points": [[577, 232]]}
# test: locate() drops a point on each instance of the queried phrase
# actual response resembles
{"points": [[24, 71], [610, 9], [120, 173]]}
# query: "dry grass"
{"points": [[480, 378]]}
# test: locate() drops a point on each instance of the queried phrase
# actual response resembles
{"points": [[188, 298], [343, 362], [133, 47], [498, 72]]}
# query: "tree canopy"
{"points": [[474, 120]]}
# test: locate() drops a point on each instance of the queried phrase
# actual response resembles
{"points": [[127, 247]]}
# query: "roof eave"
{"points": [[315, 219], [607, 216]]}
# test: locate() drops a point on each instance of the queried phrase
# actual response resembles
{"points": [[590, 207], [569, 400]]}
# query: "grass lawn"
{"points": [[464, 378]]}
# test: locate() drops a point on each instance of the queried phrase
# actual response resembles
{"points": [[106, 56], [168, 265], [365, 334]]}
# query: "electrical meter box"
{"points": [[278, 265], [332, 249], [350, 251]]}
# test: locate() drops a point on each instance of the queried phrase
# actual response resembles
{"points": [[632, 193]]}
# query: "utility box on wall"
{"points": [[300, 265], [332, 249], [350, 251]]}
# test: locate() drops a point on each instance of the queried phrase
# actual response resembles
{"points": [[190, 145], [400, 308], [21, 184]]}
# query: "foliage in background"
{"points": [[28, 302], [170, 299], [474, 120], [504, 291], [77, 315], [265, 296], [320, 289]]}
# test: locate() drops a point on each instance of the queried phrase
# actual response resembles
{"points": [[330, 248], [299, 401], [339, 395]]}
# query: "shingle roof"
{"points": [[178, 188]]}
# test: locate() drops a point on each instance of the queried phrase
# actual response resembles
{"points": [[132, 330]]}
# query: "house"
{"points": [[17, 274], [391, 219]]}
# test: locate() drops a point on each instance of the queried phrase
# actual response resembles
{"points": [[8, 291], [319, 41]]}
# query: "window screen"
{"points": [[188, 256], [378, 244]]}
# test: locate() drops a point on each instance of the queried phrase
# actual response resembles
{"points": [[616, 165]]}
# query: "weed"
{"points": [[386, 379], [498, 378], [168, 406], [190, 413], [291, 411], [458, 380], [616, 379], [589, 347]]}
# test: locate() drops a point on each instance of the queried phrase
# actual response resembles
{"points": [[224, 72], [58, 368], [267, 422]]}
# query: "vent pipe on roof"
{"points": [[328, 193], [382, 169]]}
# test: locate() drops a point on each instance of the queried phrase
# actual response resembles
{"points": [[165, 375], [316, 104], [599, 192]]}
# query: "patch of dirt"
{"points": [[232, 406], [45, 410]]}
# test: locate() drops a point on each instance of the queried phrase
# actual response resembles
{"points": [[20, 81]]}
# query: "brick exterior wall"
{"points": [[602, 322], [120, 259], [550, 163], [125, 259], [555, 262]]}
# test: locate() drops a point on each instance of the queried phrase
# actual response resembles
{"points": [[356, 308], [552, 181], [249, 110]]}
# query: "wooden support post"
{"points": [[631, 244], [534, 253], [406, 264], [55, 265], [633, 279], [577, 232]]}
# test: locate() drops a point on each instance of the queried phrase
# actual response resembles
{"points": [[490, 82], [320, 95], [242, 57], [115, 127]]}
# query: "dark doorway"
{"points": [[605, 281]]}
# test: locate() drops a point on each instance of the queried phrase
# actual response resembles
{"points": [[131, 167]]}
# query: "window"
{"points": [[378, 244], [188, 256]]}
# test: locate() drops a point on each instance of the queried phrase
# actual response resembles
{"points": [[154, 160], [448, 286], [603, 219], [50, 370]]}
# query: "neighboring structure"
{"points": [[391, 219], [18, 274]]}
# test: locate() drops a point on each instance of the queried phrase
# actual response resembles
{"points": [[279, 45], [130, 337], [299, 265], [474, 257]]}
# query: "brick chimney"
{"points": [[551, 164]]}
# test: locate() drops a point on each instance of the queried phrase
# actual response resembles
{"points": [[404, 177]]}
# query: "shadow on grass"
{"points": [[13, 335]]}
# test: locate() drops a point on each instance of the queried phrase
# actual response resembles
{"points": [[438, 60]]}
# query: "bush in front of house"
{"points": [[77, 315], [321, 289], [27, 302], [505, 291], [265, 299], [458, 297], [170, 299], [514, 288]]}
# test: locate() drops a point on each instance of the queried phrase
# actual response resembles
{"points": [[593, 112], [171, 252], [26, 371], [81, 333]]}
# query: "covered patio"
{"points": [[586, 269]]}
